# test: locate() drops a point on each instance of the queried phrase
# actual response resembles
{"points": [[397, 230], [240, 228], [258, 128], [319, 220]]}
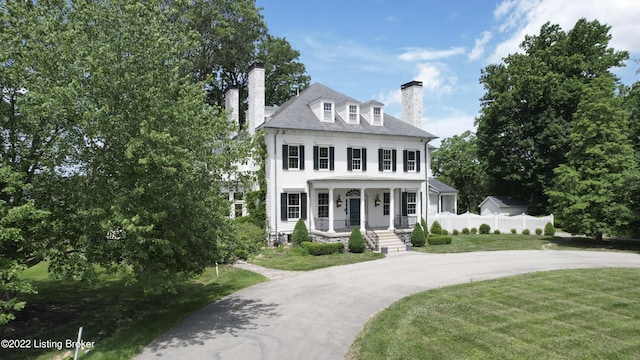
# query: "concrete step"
{"points": [[390, 240]]}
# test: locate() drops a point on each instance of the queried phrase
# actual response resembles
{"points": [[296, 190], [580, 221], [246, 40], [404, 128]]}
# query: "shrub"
{"points": [[356, 241], [317, 249], [465, 231], [445, 232], [549, 230], [474, 230], [300, 233], [242, 254], [439, 240], [436, 228], [456, 232], [497, 232], [424, 226], [526, 232], [538, 231], [514, 231], [485, 229], [417, 236]]}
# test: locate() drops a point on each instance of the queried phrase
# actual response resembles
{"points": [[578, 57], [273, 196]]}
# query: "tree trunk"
{"points": [[599, 237]]}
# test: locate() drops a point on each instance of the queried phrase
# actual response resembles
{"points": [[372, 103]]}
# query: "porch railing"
{"points": [[344, 225], [370, 235], [405, 222]]}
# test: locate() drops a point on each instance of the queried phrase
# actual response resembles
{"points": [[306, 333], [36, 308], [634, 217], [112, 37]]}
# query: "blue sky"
{"points": [[366, 49]]}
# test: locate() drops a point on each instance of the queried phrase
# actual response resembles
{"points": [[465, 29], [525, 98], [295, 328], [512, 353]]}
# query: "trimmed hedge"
{"points": [[465, 231], [436, 228], [456, 232], [300, 233], [439, 240], [317, 249], [538, 231], [356, 241], [417, 236], [424, 226], [549, 230], [484, 228], [474, 231], [526, 232]]}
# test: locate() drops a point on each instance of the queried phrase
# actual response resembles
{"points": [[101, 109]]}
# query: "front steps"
{"points": [[391, 241]]}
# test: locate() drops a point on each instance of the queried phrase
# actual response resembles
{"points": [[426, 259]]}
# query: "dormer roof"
{"points": [[296, 114]]}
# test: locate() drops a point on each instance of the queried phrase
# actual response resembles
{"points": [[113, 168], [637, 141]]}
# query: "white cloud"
{"points": [[517, 18], [478, 49], [391, 18], [448, 125], [436, 77], [420, 54]]}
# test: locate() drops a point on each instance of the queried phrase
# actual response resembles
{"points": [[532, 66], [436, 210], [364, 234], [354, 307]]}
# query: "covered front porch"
{"points": [[336, 206]]}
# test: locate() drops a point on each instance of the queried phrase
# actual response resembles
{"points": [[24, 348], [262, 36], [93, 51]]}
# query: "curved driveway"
{"points": [[317, 314]]}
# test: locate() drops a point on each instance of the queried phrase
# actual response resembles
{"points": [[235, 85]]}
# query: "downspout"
{"points": [[426, 178], [275, 180]]}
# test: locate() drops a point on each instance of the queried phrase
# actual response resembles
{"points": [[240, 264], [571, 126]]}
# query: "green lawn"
{"points": [[492, 242], [120, 319], [567, 314], [295, 259]]}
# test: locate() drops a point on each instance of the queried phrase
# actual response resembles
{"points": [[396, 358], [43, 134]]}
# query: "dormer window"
{"points": [[327, 111], [377, 115], [353, 113]]}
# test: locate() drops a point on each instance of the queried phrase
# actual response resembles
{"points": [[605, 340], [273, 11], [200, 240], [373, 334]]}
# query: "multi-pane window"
{"points": [[237, 208], [386, 203], [323, 205], [294, 157], [356, 159], [353, 113], [377, 115], [293, 206], [323, 157], [411, 161], [386, 159], [328, 111], [411, 203]]}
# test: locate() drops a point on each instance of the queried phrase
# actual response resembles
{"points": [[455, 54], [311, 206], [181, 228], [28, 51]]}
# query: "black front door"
{"points": [[354, 212]]}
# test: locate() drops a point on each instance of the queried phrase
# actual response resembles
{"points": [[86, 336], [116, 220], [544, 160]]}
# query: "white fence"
{"points": [[504, 223]]}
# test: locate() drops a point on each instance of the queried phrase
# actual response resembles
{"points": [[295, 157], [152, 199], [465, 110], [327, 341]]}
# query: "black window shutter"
{"points": [[283, 207], [303, 206], [393, 159], [405, 159], [301, 157], [331, 158], [404, 203], [285, 157], [380, 160], [316, 162], [418, 161], [364, 159], [349, 159]]}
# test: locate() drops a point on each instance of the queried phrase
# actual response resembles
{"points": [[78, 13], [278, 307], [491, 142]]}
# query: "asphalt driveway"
{"points": [[317, 314]]}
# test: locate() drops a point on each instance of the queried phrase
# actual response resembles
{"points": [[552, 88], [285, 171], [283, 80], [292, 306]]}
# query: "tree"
{"points": [[300, 232], [529, 106], [456, 163], [418, 238], [591, 191], [285, 76], [356, 241]]}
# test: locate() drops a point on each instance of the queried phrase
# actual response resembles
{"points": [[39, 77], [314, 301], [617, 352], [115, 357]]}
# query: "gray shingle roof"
{"points": [[441, 187], [504, 201], [297, 114]]}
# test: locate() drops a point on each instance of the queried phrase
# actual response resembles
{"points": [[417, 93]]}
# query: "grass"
{"points": [[120, 319], [296, 259], [567, 314], [493, 242]]}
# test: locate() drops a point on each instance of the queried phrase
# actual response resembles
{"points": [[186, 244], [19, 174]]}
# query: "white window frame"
{"points": [[386, 203], [411, 164], [293, 209], [353, 115], [327, 111], [412, 202], [295, 157], [387, 161], [356, 162], [377, 115], [323, 160], [323, 205]]}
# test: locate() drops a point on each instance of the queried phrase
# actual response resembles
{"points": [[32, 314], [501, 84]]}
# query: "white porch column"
{"points": [[362, 209], [392, 208], [331, 205]]}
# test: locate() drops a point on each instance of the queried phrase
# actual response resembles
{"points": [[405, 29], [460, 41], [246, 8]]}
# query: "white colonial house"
{"points": [[336, 162]]}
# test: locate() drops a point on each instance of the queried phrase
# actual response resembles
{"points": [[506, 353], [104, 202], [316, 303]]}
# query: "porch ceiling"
{"points": [[366, 181]]}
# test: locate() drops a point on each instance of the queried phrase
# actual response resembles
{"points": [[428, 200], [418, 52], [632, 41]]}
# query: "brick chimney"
{"points": [[255, 112], [412, 103]]}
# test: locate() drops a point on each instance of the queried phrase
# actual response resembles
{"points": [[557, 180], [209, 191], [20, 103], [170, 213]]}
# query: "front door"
{"points": [[354, 212]]}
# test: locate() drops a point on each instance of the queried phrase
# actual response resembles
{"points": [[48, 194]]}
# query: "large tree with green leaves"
{"points": [[530, 102], [456, 163], [591, 192], [109, 152]]}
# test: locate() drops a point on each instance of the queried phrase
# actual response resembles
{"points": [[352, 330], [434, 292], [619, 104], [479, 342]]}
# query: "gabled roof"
{"points": [[441, 187], [503, 201], [296, 114]]}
